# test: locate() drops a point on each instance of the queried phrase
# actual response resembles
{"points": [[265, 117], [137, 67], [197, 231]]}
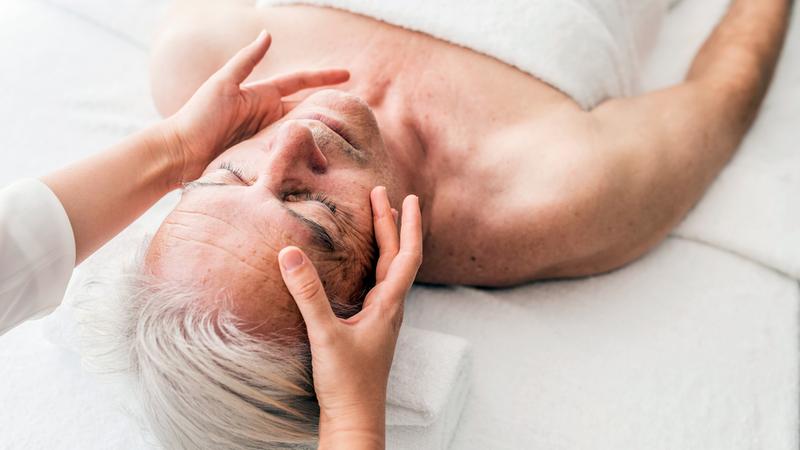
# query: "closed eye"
{"points": [[314, 197], [235, 171], [209, 179]]}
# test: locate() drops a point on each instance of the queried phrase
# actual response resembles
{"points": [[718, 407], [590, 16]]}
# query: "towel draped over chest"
{"points": [[589, 49]]}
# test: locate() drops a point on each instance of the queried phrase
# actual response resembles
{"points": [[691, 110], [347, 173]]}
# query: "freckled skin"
{"points": [[224, 239], [516, 182], [234, 260]]}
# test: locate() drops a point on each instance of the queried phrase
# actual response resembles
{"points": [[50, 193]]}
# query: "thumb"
{"points": [[303, 282]]}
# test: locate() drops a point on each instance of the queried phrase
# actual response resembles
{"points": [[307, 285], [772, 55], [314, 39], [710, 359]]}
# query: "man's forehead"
{"points": [[197, 236], [195, 255], [267, 214], [229, 209], [244, 280]]}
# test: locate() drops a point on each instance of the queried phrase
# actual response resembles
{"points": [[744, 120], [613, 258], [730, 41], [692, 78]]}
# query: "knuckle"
{"points": [[389, 250], [308, 288], [413, 257]]}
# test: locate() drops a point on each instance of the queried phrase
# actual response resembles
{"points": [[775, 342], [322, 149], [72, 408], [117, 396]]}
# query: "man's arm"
{"points": [[666, 147]]}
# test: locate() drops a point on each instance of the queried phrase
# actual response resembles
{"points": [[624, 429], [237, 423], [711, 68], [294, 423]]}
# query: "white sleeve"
{"points": [[37, 252]]}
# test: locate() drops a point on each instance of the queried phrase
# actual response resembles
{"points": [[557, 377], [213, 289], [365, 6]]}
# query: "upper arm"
{"points": [[582, 193], [194, 41], [661, 150], [659, 153], [612, 187], [631, 171]]}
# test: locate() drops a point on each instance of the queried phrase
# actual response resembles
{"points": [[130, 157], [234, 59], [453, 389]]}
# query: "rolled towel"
{"points": [[428, 386]]}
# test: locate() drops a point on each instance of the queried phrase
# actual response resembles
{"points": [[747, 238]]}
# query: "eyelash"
{"points": [[234, 170], [311, 196], [318, 197]]}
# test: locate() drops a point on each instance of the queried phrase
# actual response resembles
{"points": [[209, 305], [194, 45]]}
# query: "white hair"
{"points": [[201, 379]]}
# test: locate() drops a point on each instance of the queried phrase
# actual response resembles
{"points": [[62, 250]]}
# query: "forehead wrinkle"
{"points": [[224, 250], [264, 236], [188, 212]]}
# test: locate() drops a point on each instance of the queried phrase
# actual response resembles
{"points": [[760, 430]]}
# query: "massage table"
{"points": [[695, 346]]}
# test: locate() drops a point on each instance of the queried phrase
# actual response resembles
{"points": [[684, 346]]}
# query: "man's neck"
{"points": [[390, 94]]}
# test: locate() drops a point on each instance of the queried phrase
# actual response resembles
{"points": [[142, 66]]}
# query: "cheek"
{"points": [[352, 188]]}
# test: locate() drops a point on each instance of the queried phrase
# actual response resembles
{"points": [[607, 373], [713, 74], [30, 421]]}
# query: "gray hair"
{"points": [[201, 379]]}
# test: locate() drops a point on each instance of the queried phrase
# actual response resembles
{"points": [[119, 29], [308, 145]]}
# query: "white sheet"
{"points": [[692, 347], [663, 355]]}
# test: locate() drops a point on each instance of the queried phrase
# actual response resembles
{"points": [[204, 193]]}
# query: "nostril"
{"points": [[318, 163]]}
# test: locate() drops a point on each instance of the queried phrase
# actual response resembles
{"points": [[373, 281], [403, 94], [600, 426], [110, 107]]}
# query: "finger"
{"points": [[385, 231], [411, 228], [396, 216], [290, 83], [289, 105], [238, 68], [303, 282], [405, 264]]}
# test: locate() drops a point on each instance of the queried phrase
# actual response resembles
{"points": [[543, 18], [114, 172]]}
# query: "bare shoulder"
{"points": [[197, 37], [519, 212]]}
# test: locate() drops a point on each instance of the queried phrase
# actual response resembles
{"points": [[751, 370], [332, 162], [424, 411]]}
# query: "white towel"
{"points": [[428, 383], [428, 386], [589, 49]]}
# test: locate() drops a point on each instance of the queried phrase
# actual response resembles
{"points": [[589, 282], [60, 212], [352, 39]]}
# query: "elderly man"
{"points": [[516, 180], [525, 169]]}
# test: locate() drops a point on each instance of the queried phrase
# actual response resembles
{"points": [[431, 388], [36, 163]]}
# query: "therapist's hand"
{"points": [[224, 111], [351, 358]]}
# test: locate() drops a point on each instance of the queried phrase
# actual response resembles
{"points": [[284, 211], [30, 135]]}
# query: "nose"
{"points": [[295, 154]]}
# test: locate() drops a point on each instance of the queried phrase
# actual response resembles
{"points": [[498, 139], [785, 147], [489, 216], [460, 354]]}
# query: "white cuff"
{"points": [[37, 252]]}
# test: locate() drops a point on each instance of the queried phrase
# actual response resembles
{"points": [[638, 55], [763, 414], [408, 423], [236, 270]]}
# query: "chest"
{"points": [[452, 94]]}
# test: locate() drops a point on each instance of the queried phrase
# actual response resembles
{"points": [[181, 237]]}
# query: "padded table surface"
{"points": [[694, 346]]}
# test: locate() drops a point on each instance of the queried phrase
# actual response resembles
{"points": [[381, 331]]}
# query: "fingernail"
{"points": [[380, 211], [385, 193], [291, 260], [261, 35]]}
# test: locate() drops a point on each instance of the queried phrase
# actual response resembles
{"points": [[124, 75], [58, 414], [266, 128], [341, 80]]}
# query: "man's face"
{"points": [[304, 181]]}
